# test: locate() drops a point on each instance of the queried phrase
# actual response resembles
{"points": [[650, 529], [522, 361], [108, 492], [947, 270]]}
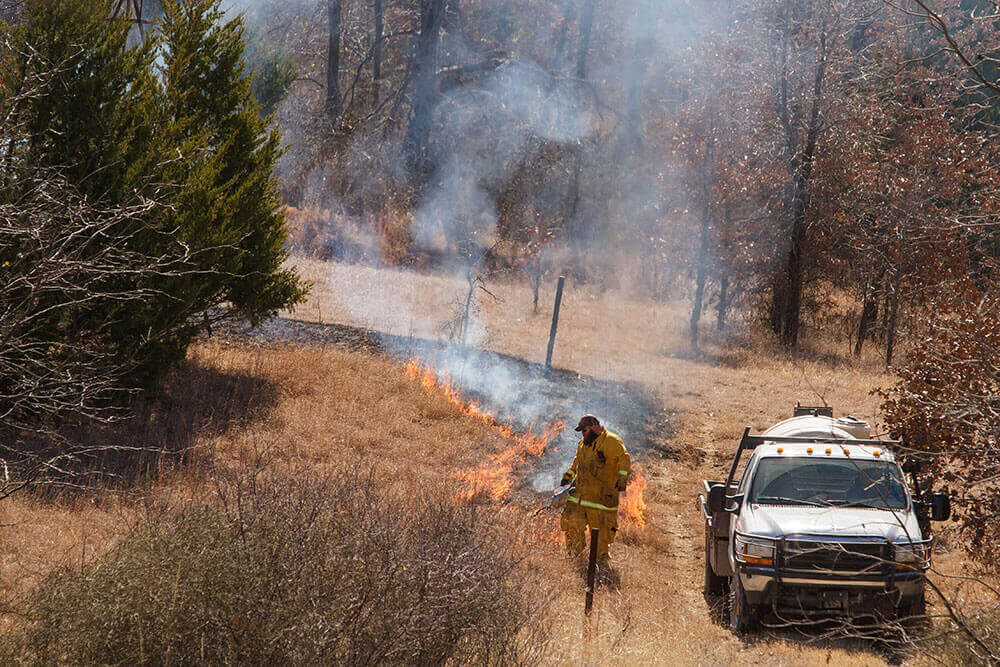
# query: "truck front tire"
{"points": [[743, 617], [913, 613]]}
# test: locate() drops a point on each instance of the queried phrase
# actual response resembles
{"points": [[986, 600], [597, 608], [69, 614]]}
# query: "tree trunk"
{"points": [[418, 135], [884, 326], [452, 17], [702, 270], [377, 52], [572, 203], [791, 308], [332, 107], [632, 137], [559, 56], [465, 314], [869, 314], [536, 283], [586, 26], [892, 305], [788, 301], [720, 320], [573, 192]]}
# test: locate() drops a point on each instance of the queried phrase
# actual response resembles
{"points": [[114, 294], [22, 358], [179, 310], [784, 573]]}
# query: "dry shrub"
{"points": [[395, 239], [947, 404], [955, 647], [374, 238], [294, 570], [324, 234]]}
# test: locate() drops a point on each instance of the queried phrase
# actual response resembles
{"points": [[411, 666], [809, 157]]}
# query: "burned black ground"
{"points": [[518, 391]]}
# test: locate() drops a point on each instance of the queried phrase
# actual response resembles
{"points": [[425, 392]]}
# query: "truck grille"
{"points": [[819, 556]]}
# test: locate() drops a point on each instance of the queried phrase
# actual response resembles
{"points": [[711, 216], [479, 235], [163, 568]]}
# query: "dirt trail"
{"points": [[713, 405]]}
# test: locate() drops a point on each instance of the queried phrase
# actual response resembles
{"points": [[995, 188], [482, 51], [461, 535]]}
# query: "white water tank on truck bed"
{"points": [[820, 426]]}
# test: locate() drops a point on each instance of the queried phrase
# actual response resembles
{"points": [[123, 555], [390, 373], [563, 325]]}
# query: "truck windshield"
{"points": [[841, 482]]}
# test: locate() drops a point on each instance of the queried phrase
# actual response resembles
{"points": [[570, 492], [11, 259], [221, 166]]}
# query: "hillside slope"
{"points": [[658, 614], [316, 409]]}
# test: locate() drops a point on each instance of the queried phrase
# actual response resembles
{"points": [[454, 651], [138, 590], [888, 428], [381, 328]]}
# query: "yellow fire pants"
{"points": [[575, 520]]}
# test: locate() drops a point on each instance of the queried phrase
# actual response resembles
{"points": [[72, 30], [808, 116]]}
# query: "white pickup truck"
{"points": [[821, 523]]}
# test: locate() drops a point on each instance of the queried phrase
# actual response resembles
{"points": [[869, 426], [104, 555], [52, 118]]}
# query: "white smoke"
{"points": [[486, 129], [481, 136]]}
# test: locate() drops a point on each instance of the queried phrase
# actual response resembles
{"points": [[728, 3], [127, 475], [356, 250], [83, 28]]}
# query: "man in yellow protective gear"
{"points": [[600, 472]]}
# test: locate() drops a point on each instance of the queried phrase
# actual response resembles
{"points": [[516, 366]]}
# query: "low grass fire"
{"points": [[632, 508], [495, 479]]}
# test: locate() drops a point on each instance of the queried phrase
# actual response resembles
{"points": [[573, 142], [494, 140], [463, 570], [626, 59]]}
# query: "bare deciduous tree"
{"points": [[332, 107], [65, 260], [425, 78], [968, 32]]}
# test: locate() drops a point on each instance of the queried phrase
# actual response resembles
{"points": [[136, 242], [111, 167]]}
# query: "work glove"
{"points": [[621, 483], [566, 479]]}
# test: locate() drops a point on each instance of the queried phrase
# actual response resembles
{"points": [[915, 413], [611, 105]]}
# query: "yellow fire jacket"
{"points": [[597, 468]]}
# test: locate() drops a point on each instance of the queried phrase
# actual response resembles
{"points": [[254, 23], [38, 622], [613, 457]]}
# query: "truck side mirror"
{"points": [[940, 507], [737, 501], [716, 498]]}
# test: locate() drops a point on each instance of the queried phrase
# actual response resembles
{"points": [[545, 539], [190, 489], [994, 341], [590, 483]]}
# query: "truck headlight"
{"points": [[910, 556], [755, 550]]}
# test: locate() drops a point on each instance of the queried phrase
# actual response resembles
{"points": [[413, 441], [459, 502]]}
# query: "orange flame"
{"points": [[632, 508], [494, 479]]}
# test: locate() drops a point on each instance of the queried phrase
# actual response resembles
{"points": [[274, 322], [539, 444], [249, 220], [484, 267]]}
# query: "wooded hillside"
{"points": [[774, 151]]}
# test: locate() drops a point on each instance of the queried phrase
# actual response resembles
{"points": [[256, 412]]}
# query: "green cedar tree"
{"points": [[171, 120]]}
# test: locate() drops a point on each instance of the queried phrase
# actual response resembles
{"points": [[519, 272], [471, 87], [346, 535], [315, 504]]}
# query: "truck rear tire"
{"points": [[743, 617], [714, 584]]}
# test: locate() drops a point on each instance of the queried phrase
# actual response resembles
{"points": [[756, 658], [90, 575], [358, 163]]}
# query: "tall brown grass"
{"points": [[292, 569]]}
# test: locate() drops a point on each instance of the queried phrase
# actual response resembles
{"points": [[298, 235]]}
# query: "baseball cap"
{"points": [[587, 420]]}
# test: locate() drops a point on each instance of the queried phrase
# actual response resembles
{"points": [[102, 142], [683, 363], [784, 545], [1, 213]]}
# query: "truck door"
{"points": [[741, 487]]}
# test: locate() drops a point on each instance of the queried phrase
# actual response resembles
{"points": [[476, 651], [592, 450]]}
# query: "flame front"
{"points": [[493, 479], [632, 508]]}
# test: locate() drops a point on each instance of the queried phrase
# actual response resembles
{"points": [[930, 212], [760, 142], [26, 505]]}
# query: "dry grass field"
{"points": [[312, 411], [738, 380]]}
